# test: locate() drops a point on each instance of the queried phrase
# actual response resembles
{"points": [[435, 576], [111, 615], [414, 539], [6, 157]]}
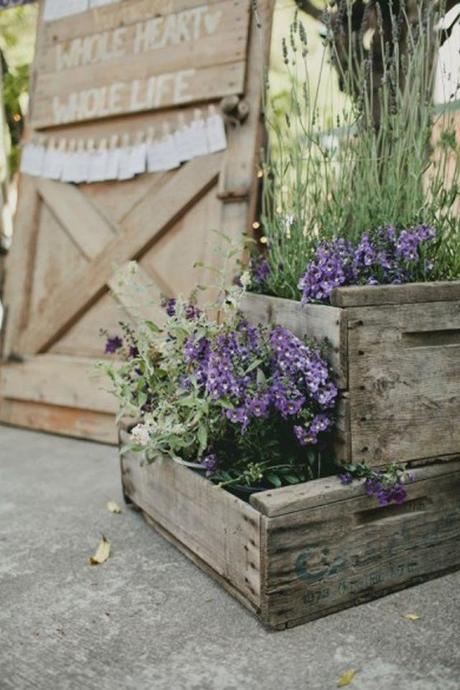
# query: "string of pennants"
{"points": [[123, 157]]}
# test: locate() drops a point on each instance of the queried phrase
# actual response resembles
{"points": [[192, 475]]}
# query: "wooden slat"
{"points": [[226, 44], [363, 295], [65, 421], [203, 85], [328, 491], [191, 182], [57, 380], [19, 268], [404, 381], [104, 18], [314, 321], [79, 218], [191, 555], [219, 528], [326, 558]]}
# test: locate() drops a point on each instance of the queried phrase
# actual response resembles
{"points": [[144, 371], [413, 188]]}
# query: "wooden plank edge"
{"points": [[71, 422], [409, 293], [226, 584], [310, 495]]}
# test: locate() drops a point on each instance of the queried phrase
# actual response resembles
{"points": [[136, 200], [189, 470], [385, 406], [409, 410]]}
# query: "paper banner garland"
{"points": [[89, 161]]}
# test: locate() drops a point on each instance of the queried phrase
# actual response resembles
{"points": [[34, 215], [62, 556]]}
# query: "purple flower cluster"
{"points": [[256, 373], [113, 344], [259, 270], [191, 312], [384, 493], [386, 486], [383, 258]]}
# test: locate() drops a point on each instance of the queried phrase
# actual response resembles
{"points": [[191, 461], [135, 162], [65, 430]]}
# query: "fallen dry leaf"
{"points": [[113, 507], [412, 616], [102, 553], [346, 678]]}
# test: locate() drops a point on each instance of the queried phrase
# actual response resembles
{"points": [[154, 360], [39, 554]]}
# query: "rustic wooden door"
{"points": [[60, 285]]}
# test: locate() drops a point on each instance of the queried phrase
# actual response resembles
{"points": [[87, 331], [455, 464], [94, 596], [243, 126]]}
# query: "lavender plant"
{"points": [[251, 405], [333, 174]]}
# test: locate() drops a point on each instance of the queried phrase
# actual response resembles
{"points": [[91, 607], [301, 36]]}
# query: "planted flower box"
{"points": [[395, 350], [301, 552]]}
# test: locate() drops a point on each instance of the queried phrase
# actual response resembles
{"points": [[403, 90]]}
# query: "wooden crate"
{"points": [[301, 552], [395, 351]]}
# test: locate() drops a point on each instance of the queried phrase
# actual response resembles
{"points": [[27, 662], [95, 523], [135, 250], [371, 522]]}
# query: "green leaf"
{"points": [[261, 378], [226, 404], [153, 327], [291, 478], [253, 366], [274, 479], [202, 437]]}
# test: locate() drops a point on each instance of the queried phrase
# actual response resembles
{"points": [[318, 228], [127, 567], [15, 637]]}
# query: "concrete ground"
{"points": [[149, 619]]}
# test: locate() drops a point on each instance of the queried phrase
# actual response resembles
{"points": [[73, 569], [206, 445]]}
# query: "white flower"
{"points": [[140, 434]]}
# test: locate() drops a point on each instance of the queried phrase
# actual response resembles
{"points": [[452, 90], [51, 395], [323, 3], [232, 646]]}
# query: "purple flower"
{"points": [[113, 344], [259, 270], [346, 478], [259, 406], [303, 435], [238, 416], [209, 462], [170, 306]]}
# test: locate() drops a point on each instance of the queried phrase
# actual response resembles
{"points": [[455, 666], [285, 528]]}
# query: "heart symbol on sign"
{"points": [[212, 21]]}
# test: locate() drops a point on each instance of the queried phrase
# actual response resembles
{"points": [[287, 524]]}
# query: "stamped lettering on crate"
{"points": [[140, 61]]}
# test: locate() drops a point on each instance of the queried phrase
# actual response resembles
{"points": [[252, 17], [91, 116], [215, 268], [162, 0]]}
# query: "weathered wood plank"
{"points": [[19, 273], [410, 293], [103, 47], [169, 58], [65, 421], [182, 87], [79, 218], [326, 558], [328, 491], [57, 380], [404, 381], [223, 582], [105, 19], [220, 529], [312, 320]]}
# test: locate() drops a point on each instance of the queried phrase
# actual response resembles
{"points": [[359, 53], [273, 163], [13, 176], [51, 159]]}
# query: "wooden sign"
{"points": [[135, 56], [72, 228]]}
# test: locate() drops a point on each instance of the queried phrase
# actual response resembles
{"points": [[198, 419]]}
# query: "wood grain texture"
{"points": [[190, 183], [411, 293], [64, 421], [328, 491], [169, 57], [78, 217], [404, 381], [216, 526], [328, 557], [57, 380]]}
